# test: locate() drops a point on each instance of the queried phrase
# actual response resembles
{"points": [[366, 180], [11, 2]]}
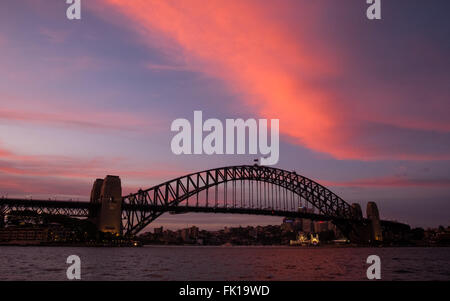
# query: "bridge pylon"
{"points": [[94, 211], [106, 194], [356, 211], [375, 225], [362, 230]]}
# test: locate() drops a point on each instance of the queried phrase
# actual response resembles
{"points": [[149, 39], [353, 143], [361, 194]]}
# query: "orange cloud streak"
{"points": [[278, 71], [233, 40], [391, 182], [68, 169], [81, 119]]}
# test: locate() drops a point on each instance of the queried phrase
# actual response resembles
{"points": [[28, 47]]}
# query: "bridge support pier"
{"points": [[364, 231], [358, 232], [108, 215], [94, 211], [375, 225], [356, 211]]}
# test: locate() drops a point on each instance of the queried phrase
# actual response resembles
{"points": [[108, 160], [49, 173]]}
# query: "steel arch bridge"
{"points": [[245, 189], [255, 189]]}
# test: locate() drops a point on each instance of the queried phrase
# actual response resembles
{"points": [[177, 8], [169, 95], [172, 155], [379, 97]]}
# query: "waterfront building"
{"points": [[158, 230], [321, 226]]}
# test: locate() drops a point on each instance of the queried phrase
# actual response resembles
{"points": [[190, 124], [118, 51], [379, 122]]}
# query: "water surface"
{"points": [[223, 263]]}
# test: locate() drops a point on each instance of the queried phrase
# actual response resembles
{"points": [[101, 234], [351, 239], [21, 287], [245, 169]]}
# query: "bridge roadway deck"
{"points": [[85, 206]]}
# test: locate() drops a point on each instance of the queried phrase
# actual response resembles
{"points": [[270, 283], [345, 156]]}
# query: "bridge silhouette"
{"points": [[245, 189]]}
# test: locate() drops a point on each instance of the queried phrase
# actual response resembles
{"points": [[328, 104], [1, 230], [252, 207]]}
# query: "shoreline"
{"points": [[133, 245]]}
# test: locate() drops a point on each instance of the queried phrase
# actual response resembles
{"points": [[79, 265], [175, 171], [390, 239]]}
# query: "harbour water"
{"points": [[223, 263]]}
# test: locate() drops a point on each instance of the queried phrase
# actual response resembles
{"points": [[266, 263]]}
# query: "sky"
{"points": [[363, 105]]}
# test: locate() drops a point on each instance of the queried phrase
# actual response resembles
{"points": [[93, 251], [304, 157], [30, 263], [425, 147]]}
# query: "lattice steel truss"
{"points": [[68, 208], [249, 183], [143, 207]]}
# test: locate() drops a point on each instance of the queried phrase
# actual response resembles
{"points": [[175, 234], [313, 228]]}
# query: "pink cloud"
{"points": [[159, 67], [14, 186], [70, 167], [34, 174], [93, 119], [391, 182], [54, 35], [275, 68]]}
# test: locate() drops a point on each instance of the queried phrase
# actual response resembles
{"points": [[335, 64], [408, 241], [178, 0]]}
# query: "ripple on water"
{"points": [[211, 263]]}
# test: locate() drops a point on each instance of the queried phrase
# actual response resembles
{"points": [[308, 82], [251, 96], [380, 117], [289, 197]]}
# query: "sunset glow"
{"points": [[363, 108]]}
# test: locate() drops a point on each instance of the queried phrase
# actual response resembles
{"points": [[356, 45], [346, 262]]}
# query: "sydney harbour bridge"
{"points": [[245, 189]]}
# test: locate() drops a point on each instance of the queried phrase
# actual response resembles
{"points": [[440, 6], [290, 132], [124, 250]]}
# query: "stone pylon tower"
{"points": [[374, 216], [108, 215], [356, 211], [359, 232], [95, 199]]}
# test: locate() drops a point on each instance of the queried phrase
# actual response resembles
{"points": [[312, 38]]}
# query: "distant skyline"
{"points": [[363, 105]]}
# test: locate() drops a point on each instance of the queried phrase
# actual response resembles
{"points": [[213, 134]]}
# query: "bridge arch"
{"points": [[141, 208]]}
